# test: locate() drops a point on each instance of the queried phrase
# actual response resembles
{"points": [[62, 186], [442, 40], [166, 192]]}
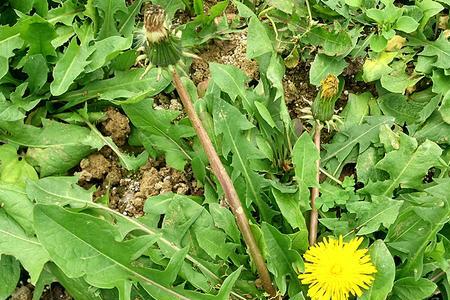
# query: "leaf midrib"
{"points": [[353, 142], [124, 267], [137, 224]]}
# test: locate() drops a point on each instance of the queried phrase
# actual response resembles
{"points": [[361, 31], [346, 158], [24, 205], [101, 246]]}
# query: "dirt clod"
{"points": [[128, 190], [117, 126], [152, 179], [22, 293], [94, 167]]}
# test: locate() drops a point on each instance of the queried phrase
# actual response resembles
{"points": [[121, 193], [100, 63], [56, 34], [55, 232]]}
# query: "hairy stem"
{"points": [[314, 219], [227, 185]]}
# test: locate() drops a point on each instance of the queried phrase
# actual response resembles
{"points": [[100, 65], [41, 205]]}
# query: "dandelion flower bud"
{"points": [[323, 105]]}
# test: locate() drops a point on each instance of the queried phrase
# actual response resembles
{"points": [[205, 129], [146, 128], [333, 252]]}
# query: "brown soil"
{"points": [[152, 179], [52, 292], [297, 90], [166, 101], [94, 167], [117, 126], [128, 191], [230, 52], [22, 293]]}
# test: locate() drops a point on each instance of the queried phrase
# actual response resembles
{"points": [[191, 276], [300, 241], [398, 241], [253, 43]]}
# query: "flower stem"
{"points": [[227, 185], [314, 218]]}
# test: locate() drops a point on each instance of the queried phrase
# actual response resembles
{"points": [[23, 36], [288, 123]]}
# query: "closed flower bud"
{"points": [[323, 106]]}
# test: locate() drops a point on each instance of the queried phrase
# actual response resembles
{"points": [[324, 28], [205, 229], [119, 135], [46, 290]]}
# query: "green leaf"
{"points": [[15, 170], [417, 225], [332, 195], [324, 65], [304, 157], [127, 21], [441, 86], [265, 113], [370, 215], [363, 135], [9, 275], [59, 190], [107, 9], [37, 69], [22, 5], [290, 209], [406, 24], [400, 107], [356, 109], [378, 66], [384, 278], [67, 69], [333, 43], [435, 129], [38, 33], [378, 43], [258, 41], [76, 287], [388, 15], [407, 166], [429, 9], [186, 224], [439, 48], [16, 204], [3, 66], [9, 111], [209, 239], [170, 6], [63, 14], [224, 219], [94, 246], [230, 79], [224, 293], [229, 122], [106, 50], [282, 261], [161, 132], [286, 6], [198, 7], [10, 40], [64, 190], [244, 11], [398, 80], [15, 242], [409, 288], [48, 150], [124, 85]]}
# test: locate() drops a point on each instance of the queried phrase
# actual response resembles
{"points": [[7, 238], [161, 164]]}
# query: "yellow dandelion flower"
{"points": [[335, 269], [329, 87]]}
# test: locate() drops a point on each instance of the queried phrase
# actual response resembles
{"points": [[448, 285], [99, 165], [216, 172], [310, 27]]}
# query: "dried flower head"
{"points": [[154, 23], [160, 47], [334, 269]]}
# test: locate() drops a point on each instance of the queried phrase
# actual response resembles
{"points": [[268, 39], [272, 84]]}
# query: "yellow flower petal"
{"points": [[335, 269]]}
